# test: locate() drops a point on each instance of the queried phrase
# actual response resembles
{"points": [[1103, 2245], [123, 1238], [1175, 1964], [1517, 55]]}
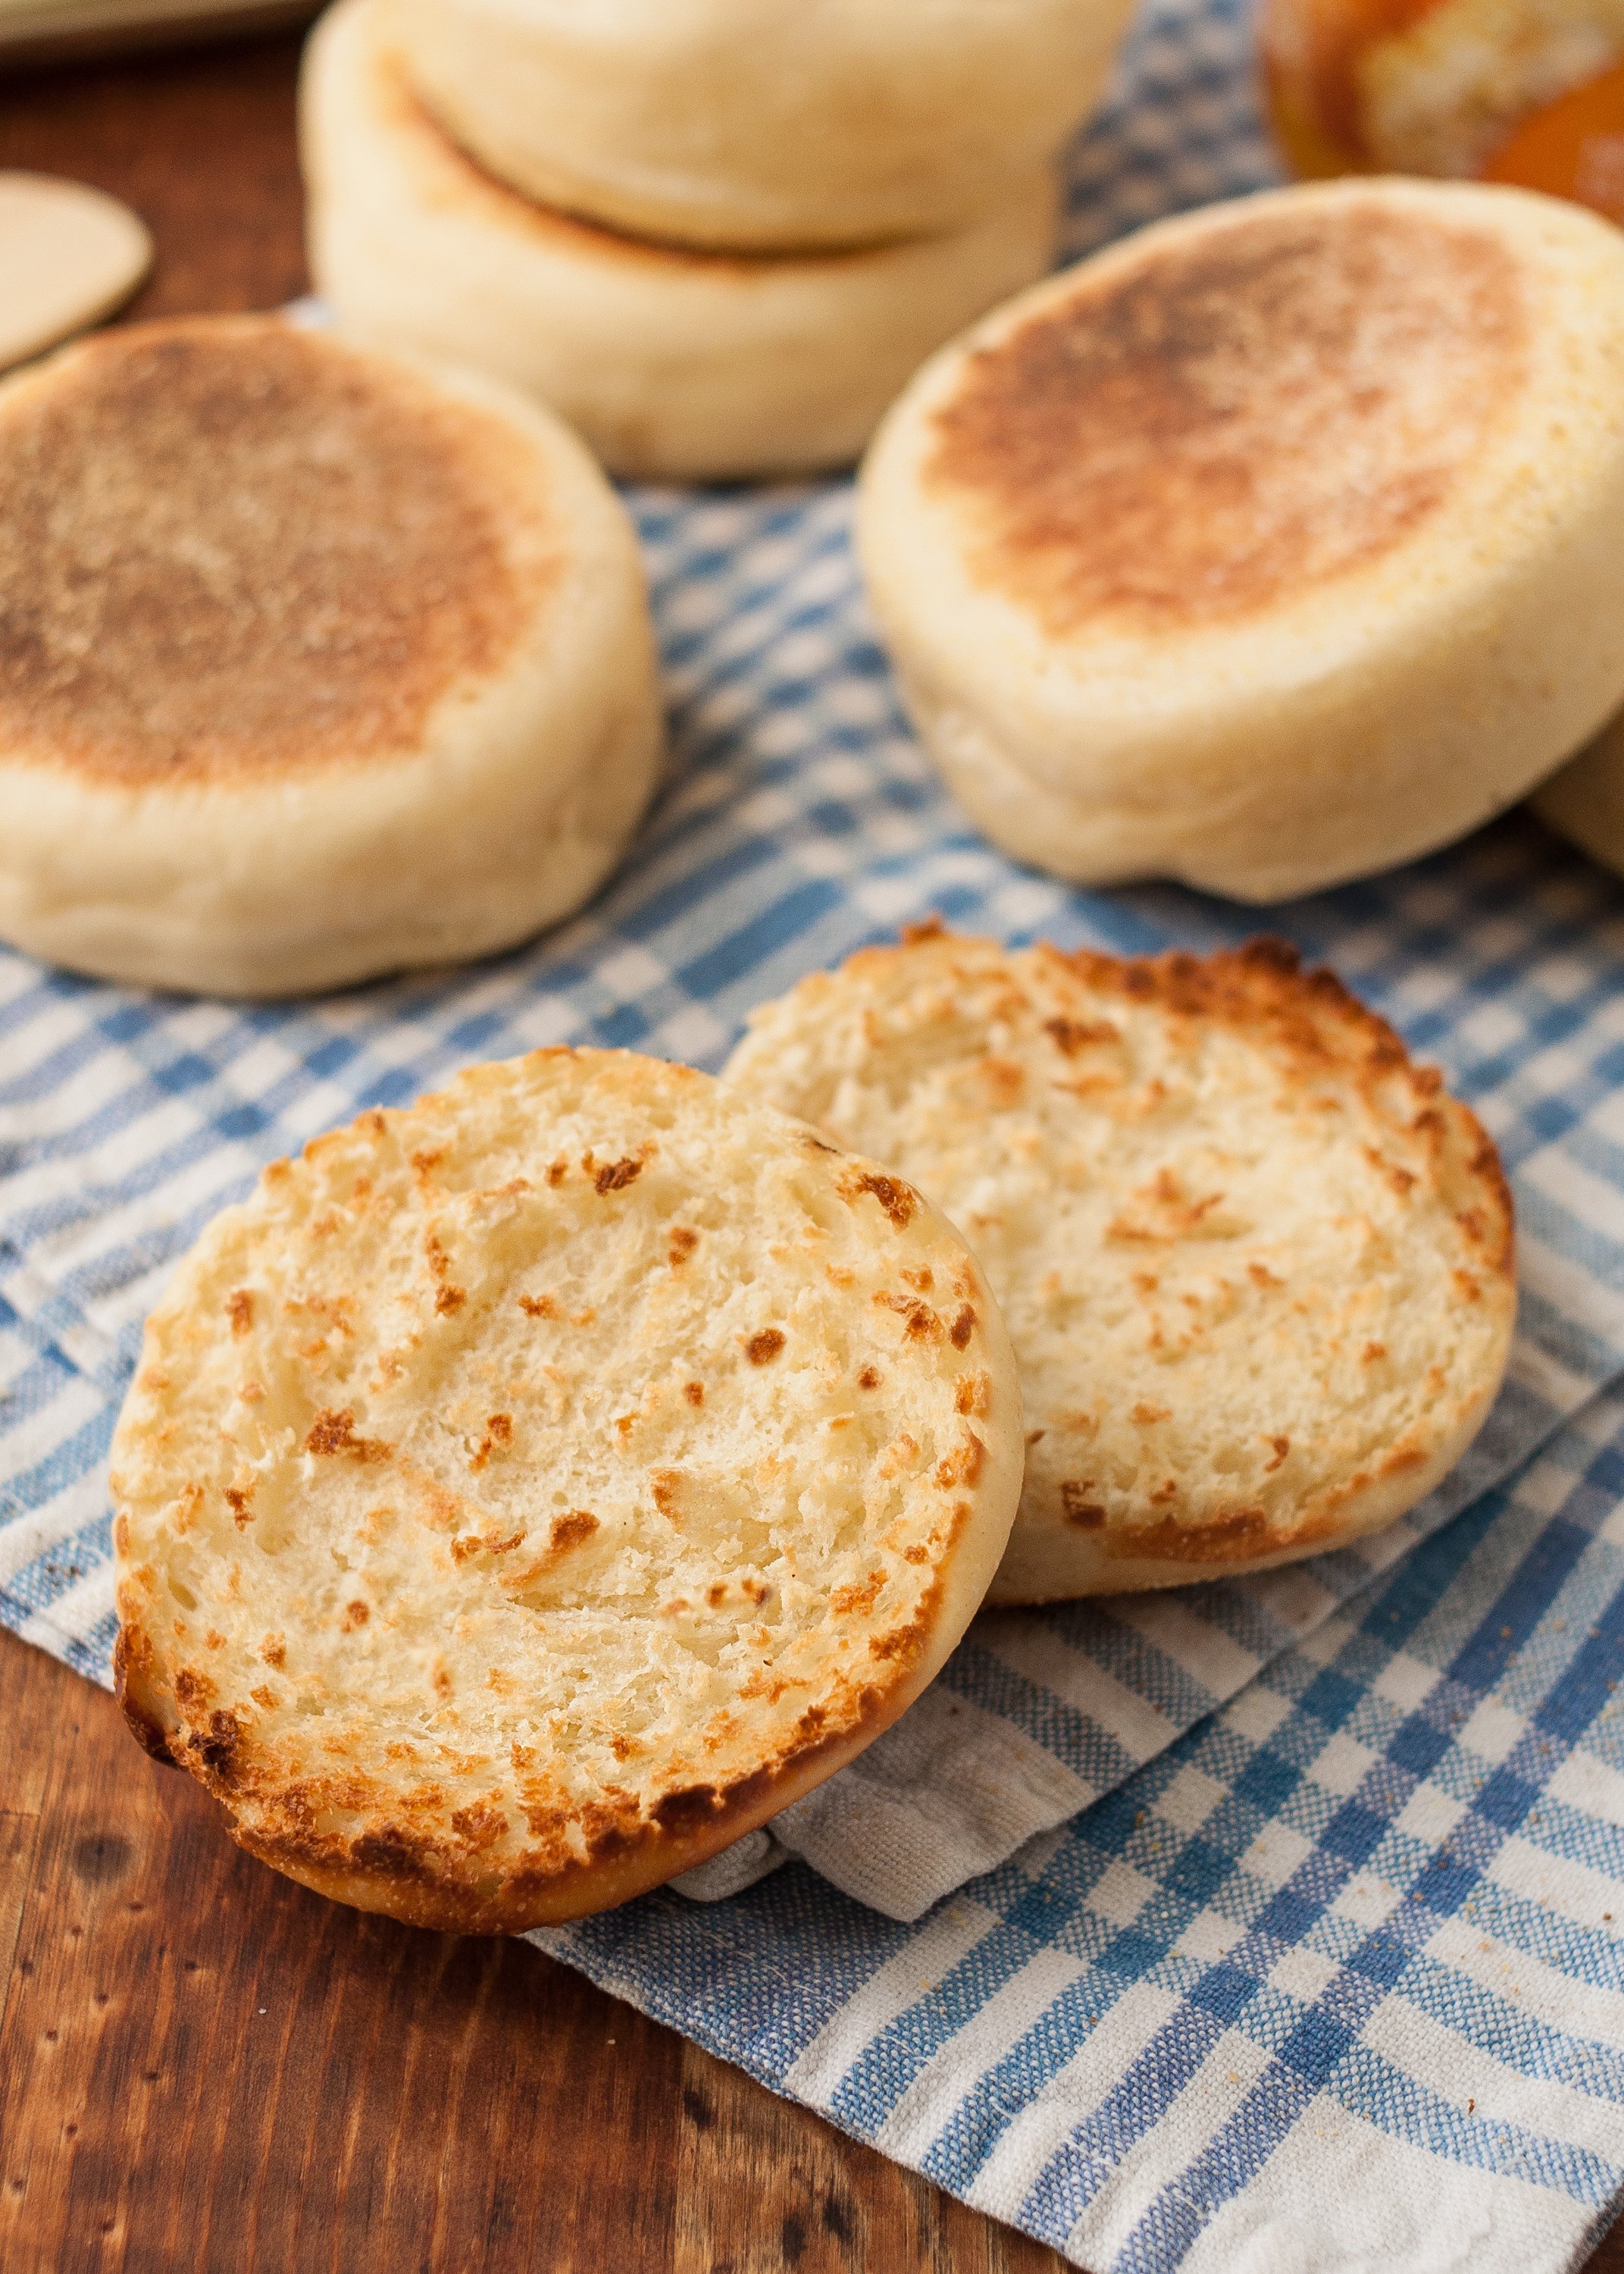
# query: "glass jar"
{"points": [[1523, 91]]}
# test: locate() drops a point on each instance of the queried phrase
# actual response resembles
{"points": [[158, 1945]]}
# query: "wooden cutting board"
{"points": [[204, 2069]]}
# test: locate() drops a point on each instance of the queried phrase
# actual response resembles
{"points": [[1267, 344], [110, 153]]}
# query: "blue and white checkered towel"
{"points": [[1266, 1927]]}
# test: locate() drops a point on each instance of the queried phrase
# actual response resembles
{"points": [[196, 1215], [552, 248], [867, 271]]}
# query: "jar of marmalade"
{"points": [[1523, 91]]}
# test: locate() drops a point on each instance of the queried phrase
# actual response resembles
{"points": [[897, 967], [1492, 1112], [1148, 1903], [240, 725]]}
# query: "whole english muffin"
{"points": [[1255, 1266], [749, 124], [1273, 544], [314, 663], [523, 1494], [674, 364]]}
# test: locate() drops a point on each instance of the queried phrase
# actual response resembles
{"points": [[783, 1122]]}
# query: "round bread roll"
{"points": [[1272, 546], [749, 124], [674, 365], [521, 1496], [1257, 1268], [1586, 800], [316, 664]]}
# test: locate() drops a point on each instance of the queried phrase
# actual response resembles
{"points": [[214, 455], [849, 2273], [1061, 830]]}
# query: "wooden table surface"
{"points": [[203, 2067]]}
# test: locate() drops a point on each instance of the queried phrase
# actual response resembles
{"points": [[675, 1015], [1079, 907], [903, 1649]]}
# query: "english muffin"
{"points": [[1586, 800], [1255, 1266], [748, 127], [314, 664], [69, 255], [675, 364], [1272, 546], [522, 1495]]}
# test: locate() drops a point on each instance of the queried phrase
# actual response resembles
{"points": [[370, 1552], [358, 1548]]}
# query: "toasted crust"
{"points": [[507, 1521], [1256, 1266]]}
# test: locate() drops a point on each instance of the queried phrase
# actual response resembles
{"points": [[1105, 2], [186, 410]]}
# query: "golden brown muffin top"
{"points": [[233, 547], [1203, 432]]}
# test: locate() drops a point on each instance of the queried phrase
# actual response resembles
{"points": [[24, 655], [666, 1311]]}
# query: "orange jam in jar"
{"points": [[1523, 91]]}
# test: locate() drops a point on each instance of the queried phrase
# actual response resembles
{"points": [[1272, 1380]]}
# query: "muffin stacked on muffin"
{"points": [[717, 237]]}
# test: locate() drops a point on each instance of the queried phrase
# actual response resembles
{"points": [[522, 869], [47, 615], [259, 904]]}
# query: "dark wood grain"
{"points": [[809, 2197], [204, 2069]]}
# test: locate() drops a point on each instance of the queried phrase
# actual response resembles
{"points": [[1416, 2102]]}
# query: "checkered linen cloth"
{"points": [[1324, 1972], [1336, 1983]]}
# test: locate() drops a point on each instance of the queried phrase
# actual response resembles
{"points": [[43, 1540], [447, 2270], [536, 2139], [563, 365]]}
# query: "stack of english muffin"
{"points": [[717, 236]]}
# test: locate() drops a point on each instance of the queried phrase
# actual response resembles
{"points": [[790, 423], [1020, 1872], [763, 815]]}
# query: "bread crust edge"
{"points": [[1262, 986], [402, 1880], [386, 1869]]}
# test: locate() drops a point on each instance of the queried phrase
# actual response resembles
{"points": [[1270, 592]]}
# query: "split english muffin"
{"points": [[315, 664], [1256, 1266], [1274, 546], [675, 364], [508, 1517], [725, 123]]}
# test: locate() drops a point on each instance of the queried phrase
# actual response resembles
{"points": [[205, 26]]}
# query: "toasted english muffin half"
{"points": [[1255, 1266], [522, 1495], [317, 664], [675, 363], [1274, 544]]}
